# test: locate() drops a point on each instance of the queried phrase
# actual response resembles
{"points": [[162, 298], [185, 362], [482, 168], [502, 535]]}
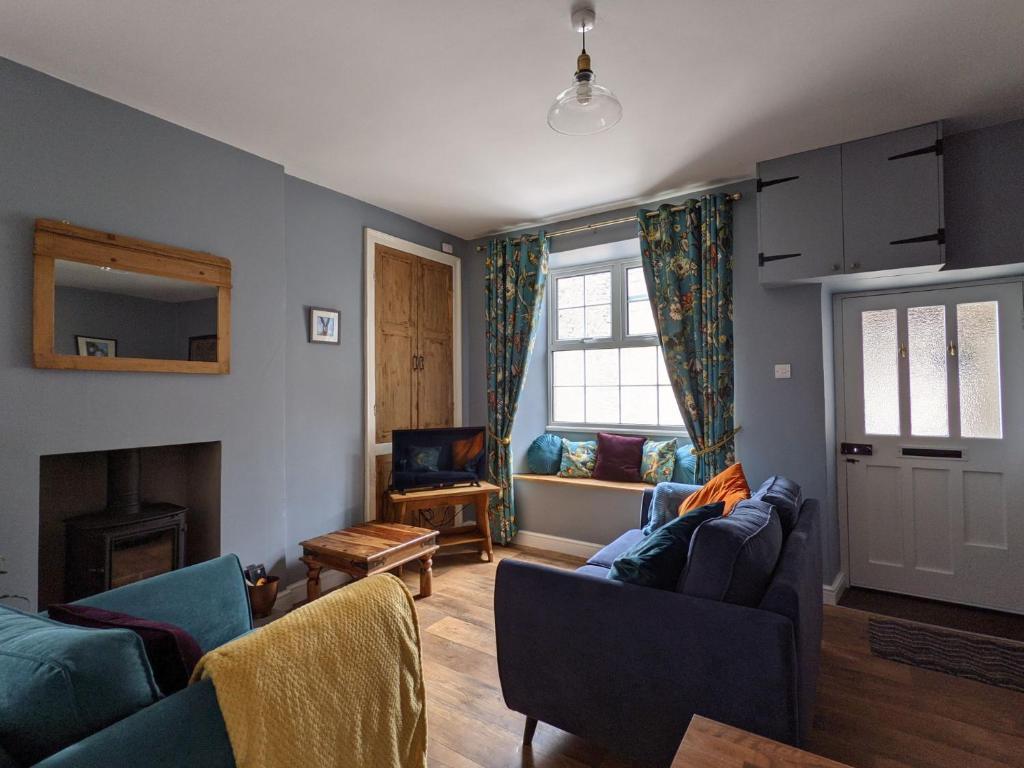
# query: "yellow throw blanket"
{"points": [[338, 682]]}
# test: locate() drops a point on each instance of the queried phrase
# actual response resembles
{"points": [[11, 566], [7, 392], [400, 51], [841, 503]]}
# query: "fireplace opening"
{"points": [[110, 518]]}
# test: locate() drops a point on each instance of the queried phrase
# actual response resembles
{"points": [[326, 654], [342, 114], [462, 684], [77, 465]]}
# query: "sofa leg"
{"points": [[529, 730]]}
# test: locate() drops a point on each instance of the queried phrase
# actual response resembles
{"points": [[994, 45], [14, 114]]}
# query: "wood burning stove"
{"points": [[128, 541]]}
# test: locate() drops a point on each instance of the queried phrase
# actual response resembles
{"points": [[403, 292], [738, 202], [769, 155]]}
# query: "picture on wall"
{"points": [[92, 346], [323, 325], [203, 348]]}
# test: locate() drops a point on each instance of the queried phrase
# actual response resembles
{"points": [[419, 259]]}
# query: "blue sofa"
{"points": [[627, 666], [209, 600]]}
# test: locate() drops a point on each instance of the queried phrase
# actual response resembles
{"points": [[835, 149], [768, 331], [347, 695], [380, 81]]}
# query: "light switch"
{"points": [[783, 371]]}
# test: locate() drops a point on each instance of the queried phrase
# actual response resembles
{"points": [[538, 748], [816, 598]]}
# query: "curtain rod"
{"points": [[600, 224]]}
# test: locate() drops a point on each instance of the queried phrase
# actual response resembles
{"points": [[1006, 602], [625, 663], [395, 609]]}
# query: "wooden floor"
{"points": [[871, 713]]}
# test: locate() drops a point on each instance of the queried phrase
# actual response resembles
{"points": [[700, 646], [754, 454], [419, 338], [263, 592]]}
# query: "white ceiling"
{"points": [[436, 108]]}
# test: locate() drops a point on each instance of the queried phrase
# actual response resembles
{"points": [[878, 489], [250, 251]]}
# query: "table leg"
{"points": [[313, 570], [426, 576], [483, 523]]}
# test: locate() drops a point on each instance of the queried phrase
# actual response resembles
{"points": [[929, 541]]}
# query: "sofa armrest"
{"points": [[184, 729], [628, 666]]}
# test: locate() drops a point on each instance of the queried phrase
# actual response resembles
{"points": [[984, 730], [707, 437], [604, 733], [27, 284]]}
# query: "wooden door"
{"points": [[434, 385], [397, 282]]}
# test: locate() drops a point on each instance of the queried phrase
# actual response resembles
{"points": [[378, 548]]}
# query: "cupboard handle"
{"points": [[855, 265], [421, 362], [415, 362]]}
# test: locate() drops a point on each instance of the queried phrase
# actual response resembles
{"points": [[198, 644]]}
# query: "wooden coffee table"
{"points": [[367, 549], [709, 744]]}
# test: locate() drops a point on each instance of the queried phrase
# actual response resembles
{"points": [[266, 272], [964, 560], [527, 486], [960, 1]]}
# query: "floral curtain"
{"points": [[687, 258], [515, 275]]}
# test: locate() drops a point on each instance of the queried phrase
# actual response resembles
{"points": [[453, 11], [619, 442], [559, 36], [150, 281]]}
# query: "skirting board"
{"points": [[296, 592], [832, 593], [584, 549]]}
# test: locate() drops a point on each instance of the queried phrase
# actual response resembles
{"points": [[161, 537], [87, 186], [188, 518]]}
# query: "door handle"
{"points": [[853, 461], [415, 362], [421, 362]]}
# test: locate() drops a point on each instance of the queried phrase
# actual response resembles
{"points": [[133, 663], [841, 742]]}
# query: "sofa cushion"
{"points": [[578, 458], [785, 495], [665, 503], [685, 468], [618, 457], [732, 558], [729, 485], [62, 683], [593, 570], [659, 461], [658, 560], [544, 456], [607, 555], [172, 652]]}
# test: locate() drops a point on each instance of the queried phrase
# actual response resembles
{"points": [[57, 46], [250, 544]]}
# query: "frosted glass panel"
{"points": [[881, 372], [639, 365], [977, 330], [640, 319], [598, 288], [926, 342], [602, 367], [640, 405], [568, 368], [568, 405], [570, 292], [602, 405], [668, 410], [636, 284], [599, 322], [570, 323]]}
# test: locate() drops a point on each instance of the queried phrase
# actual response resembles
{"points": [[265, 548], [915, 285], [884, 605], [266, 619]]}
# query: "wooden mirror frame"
{"points": [[60, 240]]}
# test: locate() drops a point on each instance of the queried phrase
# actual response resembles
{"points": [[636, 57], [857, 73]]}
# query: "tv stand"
{"points": [[478, 533]]}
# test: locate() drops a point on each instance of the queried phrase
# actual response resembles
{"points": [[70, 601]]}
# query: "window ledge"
{"points": [[583, 481], [592, 429]]}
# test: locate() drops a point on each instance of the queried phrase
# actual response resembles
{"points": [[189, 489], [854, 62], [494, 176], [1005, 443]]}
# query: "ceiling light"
{"points": [[584, 107]]}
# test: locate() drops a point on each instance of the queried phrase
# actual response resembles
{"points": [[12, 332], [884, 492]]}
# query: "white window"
{"points": [[606, 369]]}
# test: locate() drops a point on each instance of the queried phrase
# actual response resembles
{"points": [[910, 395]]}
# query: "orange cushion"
{"points": [[729, 485]]}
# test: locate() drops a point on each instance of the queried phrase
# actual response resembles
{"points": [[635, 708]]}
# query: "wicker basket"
{"points": [[263, 597]]}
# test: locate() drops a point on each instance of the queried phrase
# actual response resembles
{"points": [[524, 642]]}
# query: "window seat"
{"points": [[583, 481]]}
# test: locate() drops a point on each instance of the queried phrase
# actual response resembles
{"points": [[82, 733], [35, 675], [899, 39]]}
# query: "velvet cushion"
{"points": [[732, 559], [786, 496], [659, 461], [172, 652], [729, 485], [618, 457], [466, 453], [578, 458], [659, 559], [424, 459], [685, 468], [665, 503], [544, 456], [62, 683]]}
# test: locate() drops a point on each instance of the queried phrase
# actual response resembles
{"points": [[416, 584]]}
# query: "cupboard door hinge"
{"points": [[935, 148], [761, 183]]}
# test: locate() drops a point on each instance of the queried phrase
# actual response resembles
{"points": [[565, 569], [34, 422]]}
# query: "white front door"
{"points": [[932, 458]]}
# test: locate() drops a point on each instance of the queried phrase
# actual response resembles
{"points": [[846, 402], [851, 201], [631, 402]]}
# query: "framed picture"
{"points": [[323, 325], [203, 348], [92, 346]]}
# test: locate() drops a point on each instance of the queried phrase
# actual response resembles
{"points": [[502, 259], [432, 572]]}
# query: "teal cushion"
{"points": [[62, 683], [578, 459], [659, 559], [685, 468], [658, 461], [544, 456]]}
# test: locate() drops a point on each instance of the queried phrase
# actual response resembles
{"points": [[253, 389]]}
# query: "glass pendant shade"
{"points": [[584, 107]]}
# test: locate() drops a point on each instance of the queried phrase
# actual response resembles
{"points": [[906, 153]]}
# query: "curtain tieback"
{"points": [[502, 440], [716, 445]]}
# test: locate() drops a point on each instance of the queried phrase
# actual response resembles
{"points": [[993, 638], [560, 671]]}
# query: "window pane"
{"points": [[568, 405], [568, 368], [599, 322], [977, 332], [570, 292], [926, 343], [598, 288], [881, 372], [602, 405], [639, 366], [641, 321], [662, 370], [636, 285], [602, 367], [570, 323], [639, 405], [668, 410]]}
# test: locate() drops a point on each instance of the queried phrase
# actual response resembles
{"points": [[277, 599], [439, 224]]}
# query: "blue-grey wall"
{"points": [[69, 154]]}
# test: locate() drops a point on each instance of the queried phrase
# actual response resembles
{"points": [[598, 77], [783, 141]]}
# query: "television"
{"points": [[437, 458]]}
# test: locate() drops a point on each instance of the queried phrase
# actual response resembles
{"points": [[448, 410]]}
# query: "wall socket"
{"points": [[783, 371]]}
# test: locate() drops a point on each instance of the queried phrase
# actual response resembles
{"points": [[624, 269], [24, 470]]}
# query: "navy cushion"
{"points": [[607, 556], [732, 559], [685, 469], [593, 570], [785, 495], [665, 504], [544, 456], [659, 559]]}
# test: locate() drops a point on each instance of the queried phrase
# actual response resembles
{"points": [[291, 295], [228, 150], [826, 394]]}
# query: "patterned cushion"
{"points": [[686, 465], [659, 461], [544, 456], [578, 459]]}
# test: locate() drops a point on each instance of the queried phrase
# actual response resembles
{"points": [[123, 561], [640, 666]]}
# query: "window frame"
{"points": [[618, 340]]}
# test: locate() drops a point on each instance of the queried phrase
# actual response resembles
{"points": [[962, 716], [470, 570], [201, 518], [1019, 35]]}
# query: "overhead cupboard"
{"points": [[872, 206]]}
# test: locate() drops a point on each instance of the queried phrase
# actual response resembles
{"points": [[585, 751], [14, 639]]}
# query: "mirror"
{"points": [[108, 302]]}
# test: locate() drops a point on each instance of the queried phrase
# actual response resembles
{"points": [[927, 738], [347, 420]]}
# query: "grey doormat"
{"points": [[990, 660]]}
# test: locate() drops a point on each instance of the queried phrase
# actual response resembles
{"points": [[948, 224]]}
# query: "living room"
{"points": [[361, 244]]}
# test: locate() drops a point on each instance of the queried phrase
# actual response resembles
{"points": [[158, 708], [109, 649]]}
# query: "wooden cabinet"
{"points": [[800, 216], [869, 206]]}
